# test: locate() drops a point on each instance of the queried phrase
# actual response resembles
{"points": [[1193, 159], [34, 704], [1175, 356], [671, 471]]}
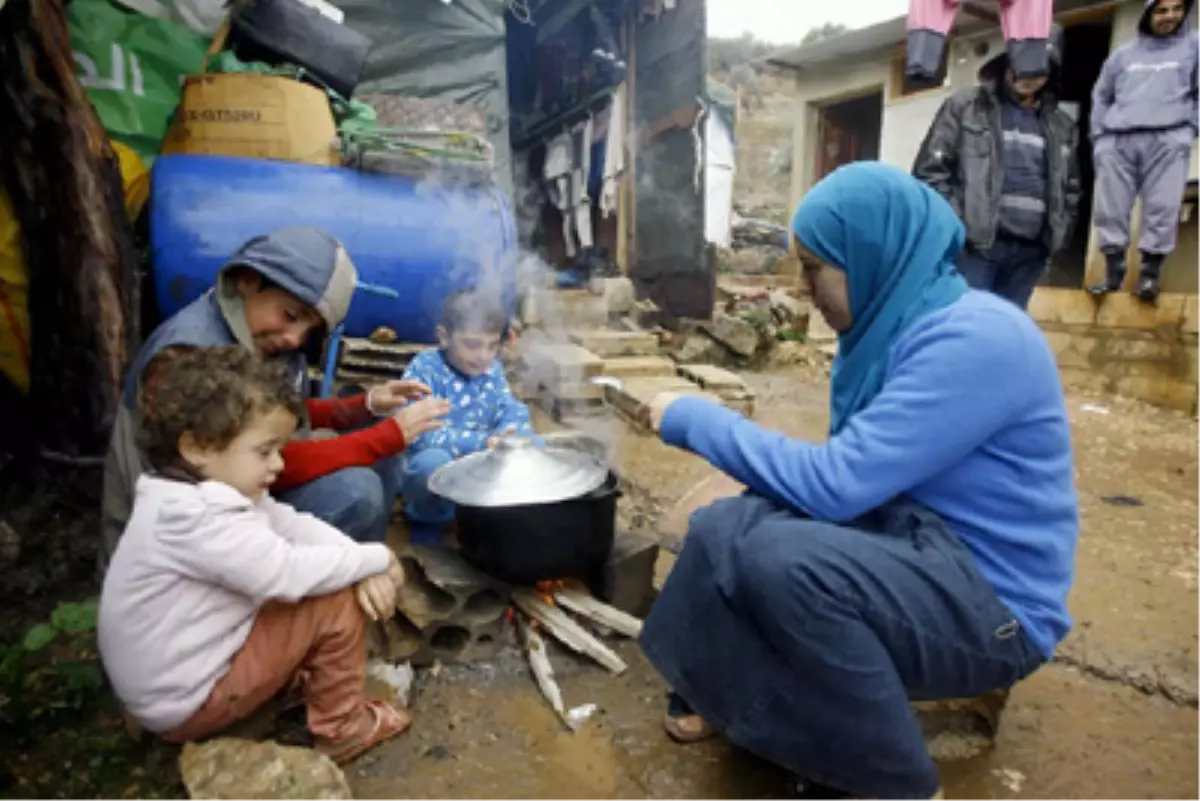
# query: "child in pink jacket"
{"points": [[218, 597]]}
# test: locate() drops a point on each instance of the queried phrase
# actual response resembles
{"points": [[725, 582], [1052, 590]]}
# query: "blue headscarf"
{"points": [[896, 239]]}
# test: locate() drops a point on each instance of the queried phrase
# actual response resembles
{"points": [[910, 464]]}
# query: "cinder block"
{"points": [[625, 367], [607, 344], [629, 577], [447, 611]]}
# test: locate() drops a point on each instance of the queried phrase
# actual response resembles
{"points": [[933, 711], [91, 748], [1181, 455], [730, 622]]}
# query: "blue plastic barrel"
{"points": [[420, 239]]}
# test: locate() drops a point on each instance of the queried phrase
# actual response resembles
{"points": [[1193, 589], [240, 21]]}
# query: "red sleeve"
{"points": [[338, 413], [308, 459]]}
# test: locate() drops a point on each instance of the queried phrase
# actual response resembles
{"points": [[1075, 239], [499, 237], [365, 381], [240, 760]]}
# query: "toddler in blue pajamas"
{"points": [[465, 370]]}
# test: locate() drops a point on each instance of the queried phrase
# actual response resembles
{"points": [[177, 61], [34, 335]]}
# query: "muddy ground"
{"points": [[1114, 716]]}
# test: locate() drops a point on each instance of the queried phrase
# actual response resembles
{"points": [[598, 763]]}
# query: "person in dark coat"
{"points": [[1004, 155], [925, 550]]}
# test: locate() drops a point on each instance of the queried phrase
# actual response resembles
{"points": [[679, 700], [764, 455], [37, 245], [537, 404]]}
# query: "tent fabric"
{"points": [[435, 49], [720, 145]]}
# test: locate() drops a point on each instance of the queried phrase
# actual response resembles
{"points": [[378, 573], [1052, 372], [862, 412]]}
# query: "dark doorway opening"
{"points": [[848, 130], [1085, 48]]}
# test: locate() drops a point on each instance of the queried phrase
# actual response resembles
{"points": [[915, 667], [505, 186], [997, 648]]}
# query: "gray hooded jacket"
{"points": [[305, 261], [961, 156], [1149, 84]]}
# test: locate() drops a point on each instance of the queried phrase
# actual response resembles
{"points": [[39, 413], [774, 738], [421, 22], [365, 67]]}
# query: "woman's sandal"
{"points": [[387, 722], [682, 723]]}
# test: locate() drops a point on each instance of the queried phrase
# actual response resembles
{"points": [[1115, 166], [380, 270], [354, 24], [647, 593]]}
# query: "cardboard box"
{"points": [[256, 116]]}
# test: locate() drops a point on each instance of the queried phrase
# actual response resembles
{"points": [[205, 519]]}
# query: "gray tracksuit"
{"points": [[1143, 123]]}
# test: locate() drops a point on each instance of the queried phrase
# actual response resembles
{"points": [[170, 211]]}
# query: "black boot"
{"points": [[1114, 274], [1147, 285]]}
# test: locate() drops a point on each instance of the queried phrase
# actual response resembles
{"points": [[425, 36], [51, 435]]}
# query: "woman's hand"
{"points": [[377, 594], [386, 398], [658, 408], [422, 416]]}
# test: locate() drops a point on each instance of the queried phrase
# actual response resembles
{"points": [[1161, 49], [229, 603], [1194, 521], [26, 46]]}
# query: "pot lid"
{"points": [[520, 471]]}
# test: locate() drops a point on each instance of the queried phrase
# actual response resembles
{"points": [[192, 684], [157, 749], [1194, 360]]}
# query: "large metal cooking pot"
{"points": [[530, 512]]}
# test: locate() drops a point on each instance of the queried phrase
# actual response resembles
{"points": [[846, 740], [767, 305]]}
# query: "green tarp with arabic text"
{"points": [[131, 66]]}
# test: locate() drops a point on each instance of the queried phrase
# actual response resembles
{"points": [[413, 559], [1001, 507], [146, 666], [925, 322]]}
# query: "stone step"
{"points": [[554, 364], [633, 398], [624, 367], [608, 344], [711, 377], [562, 309]]}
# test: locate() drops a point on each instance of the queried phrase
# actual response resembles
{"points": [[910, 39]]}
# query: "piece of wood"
{"points": [[539, 663], [565, 630], [581, 602]]}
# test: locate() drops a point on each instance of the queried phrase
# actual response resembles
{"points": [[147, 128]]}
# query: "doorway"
{"points": [[848, 130], [1086, 46]]}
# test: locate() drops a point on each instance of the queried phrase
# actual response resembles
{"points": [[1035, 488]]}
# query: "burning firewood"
{"points": [[566, 630], [539, 663], [581, 602]]}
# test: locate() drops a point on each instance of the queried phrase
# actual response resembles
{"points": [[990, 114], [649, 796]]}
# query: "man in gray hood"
{"points": [[1144, 120], [274, 294]]}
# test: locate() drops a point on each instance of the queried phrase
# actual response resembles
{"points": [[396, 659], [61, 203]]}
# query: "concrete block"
{"points": [[448, 611], [1071, 349], [555, 364], [1121, 310], [625, 367], [1060, 306], [629, 577], [563, 309], [607, 344], [633, 398], [712, 378], [1191, 314], [618, 294]]}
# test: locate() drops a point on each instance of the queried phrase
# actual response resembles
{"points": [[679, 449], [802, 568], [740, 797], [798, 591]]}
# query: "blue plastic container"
{"points": [[423, 241]]}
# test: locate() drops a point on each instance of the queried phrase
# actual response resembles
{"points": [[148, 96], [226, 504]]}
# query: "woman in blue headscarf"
{"points": [[925, 550]]}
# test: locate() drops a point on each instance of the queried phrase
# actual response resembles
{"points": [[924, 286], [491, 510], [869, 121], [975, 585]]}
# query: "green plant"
{"points": [[53, 670], [790, 335]]}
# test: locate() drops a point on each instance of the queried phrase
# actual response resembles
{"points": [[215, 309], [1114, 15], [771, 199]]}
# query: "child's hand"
{"points": [[494, 439], [377, 595], [424, 415], [390, 396]]}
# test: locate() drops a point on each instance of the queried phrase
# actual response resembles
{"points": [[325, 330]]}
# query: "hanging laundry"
{"points": [[568, 161], [1026, 26], [655, 8], [614, 154]]}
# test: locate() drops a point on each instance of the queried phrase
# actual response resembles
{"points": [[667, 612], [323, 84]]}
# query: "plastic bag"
{"points": [[131, 66]]}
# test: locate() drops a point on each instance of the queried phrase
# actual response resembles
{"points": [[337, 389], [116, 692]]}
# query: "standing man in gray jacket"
{"points": [[1003, 155], [1144, 120]]}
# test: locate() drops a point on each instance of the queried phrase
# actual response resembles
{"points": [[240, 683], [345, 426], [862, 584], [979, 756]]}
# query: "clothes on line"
{"points": [[1026, 26]]}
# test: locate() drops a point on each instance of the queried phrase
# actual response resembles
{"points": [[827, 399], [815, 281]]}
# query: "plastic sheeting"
{"points": [[433, 49]]}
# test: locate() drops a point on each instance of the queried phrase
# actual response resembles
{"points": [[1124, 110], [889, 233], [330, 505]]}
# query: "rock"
{"points": [[791, 352], [789, 312], [734, 333], [233, 768], [699, 348], [618, 294]]}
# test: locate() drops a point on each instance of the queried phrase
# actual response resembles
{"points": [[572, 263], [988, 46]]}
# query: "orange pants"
{"points": [[323, 640]]}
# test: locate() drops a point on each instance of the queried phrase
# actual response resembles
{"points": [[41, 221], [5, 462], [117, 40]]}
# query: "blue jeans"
{"points": [[1011, 269], [816, 637], [356, 500], [426, 512]]}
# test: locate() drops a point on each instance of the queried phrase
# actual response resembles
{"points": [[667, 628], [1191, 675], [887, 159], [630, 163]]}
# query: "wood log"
{"points": [[581, 602], [565, 630], [539, 663]]}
